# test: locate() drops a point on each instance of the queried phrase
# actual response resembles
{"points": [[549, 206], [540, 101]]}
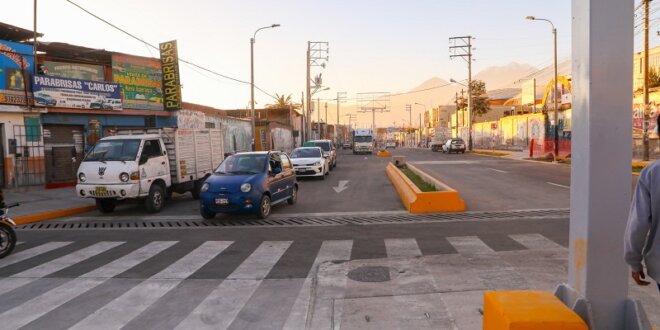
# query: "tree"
{"points": [[480, 99], [282, 102]]}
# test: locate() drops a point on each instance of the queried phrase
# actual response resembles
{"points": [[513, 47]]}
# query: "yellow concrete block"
{"points": [[416, 201], [384, 153], [528, 310]]}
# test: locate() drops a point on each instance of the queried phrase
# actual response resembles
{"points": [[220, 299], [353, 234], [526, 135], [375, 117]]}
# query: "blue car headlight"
{"points": [[246, 187], [205, 187]]}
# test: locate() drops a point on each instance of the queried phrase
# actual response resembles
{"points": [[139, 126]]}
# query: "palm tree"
{"points": [[282, 102]]}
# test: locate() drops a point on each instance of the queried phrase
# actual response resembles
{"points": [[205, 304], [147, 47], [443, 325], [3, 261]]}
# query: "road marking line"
{"points": [[126, 307], [402, 247], [33, 252], [300, 312], [536, 242], [67, 260], [220, 308], [558, 185], [469, 245], [496, 170], [36, 307]]}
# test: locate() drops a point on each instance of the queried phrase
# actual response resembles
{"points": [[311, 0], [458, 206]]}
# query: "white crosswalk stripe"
{"points": [[536, 242], [220, 308], [33, 252], [469, 245], [330, 251], [32, 274], [35, 308], [123, 309]]}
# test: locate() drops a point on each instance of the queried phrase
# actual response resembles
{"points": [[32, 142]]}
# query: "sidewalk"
{"points": [[38, 203]]}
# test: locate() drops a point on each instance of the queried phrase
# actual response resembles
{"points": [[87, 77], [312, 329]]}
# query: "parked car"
{"points": [[328, 148], [249, 182], [44, 99], [309, 161], [347, 145], [390, 144], [454, 145]]}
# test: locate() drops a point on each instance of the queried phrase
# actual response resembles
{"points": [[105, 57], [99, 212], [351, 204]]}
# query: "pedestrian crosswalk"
{"points": [[83, 285]]}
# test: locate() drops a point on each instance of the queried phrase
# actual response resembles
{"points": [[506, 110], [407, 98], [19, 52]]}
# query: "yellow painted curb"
{"points": [[417, 201], [52, 214], [384, 153], [527, 310]]}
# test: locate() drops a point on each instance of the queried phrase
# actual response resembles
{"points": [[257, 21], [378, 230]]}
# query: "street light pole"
{"points": [[252, 80], [420, 121], [556, 115]]}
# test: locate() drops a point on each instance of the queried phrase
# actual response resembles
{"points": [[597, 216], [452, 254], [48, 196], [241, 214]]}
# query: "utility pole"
{"points": [[373, 102], [317, 55], [409, 110], [318, 116], [341, 98], [303, 122], [420, 128], [645, 123], [325, 127], [462, 47], [456, 101]]}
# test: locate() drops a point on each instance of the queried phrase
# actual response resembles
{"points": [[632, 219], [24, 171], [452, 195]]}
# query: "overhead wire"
{"points": [[153, 46]]}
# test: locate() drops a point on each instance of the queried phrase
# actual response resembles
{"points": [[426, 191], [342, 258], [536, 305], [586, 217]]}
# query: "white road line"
{"points": [[537, 242], [496, 170], [329, 251], [20, 243], [469, 245], [122, 310], [558, 185], [219, 309], [67, 260], [39, 306], [402, 247], [33, 252]]}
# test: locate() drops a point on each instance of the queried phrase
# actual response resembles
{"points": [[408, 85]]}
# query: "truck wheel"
{"points": [[105, 205], [156, 199], [264, 207], [196, 190], [206, 214]]}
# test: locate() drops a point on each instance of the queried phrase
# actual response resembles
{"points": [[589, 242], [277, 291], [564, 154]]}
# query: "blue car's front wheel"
{"points": [[206, 214], [264, 207]]}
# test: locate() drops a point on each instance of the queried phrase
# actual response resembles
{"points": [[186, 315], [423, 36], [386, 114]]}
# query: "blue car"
{"points": [[249, 182]]}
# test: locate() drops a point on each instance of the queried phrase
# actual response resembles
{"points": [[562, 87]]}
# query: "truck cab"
{"points": [[363, 141], [125, 167]]}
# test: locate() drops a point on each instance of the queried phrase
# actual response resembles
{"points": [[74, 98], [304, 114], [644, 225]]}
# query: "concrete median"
{"points": [[416, 201]]}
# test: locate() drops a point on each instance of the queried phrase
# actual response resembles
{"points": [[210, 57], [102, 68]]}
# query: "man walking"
{"points": [[642, 240]]}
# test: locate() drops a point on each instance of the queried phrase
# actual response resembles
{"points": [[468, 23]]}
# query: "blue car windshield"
{"points": [[242, 164]]}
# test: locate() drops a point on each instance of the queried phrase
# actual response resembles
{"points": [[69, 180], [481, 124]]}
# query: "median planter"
{"points": [[445, 199]]}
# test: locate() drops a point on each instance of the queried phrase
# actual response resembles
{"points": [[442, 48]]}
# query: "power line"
{"points": [[153, 46]]}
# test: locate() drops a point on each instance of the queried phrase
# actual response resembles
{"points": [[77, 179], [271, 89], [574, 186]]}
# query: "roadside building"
{"points": [[21, 145], [275, 128]]}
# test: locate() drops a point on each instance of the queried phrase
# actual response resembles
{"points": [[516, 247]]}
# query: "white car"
{"points": [[309, 161]]}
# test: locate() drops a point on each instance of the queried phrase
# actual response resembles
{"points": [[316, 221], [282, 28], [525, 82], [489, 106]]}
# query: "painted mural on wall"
{"points": [[16, 64], [517, 130]]}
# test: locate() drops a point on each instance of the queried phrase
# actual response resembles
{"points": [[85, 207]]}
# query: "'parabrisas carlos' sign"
{"points": [[169, 63]]}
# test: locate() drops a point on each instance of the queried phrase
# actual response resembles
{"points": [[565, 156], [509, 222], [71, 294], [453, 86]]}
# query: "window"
{"points": [[286, 164], [151, 149], [275, 163]]}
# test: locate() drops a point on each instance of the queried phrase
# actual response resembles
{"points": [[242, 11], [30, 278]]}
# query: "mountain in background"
{"points": [[505, 76]]}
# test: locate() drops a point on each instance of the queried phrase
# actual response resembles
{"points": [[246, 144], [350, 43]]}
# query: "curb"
{"points": [[417, 201], [49, 215]]}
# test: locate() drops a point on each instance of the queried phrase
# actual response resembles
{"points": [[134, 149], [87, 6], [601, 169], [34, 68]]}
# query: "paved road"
{"points": [[272, 278], [491, 183], [367, 188]]}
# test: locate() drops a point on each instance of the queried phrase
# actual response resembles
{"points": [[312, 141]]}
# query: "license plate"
{"points": [[221, 201], [101, 190]]}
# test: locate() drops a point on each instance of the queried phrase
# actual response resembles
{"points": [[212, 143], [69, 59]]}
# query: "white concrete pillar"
{"points": [[602, 46]]}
